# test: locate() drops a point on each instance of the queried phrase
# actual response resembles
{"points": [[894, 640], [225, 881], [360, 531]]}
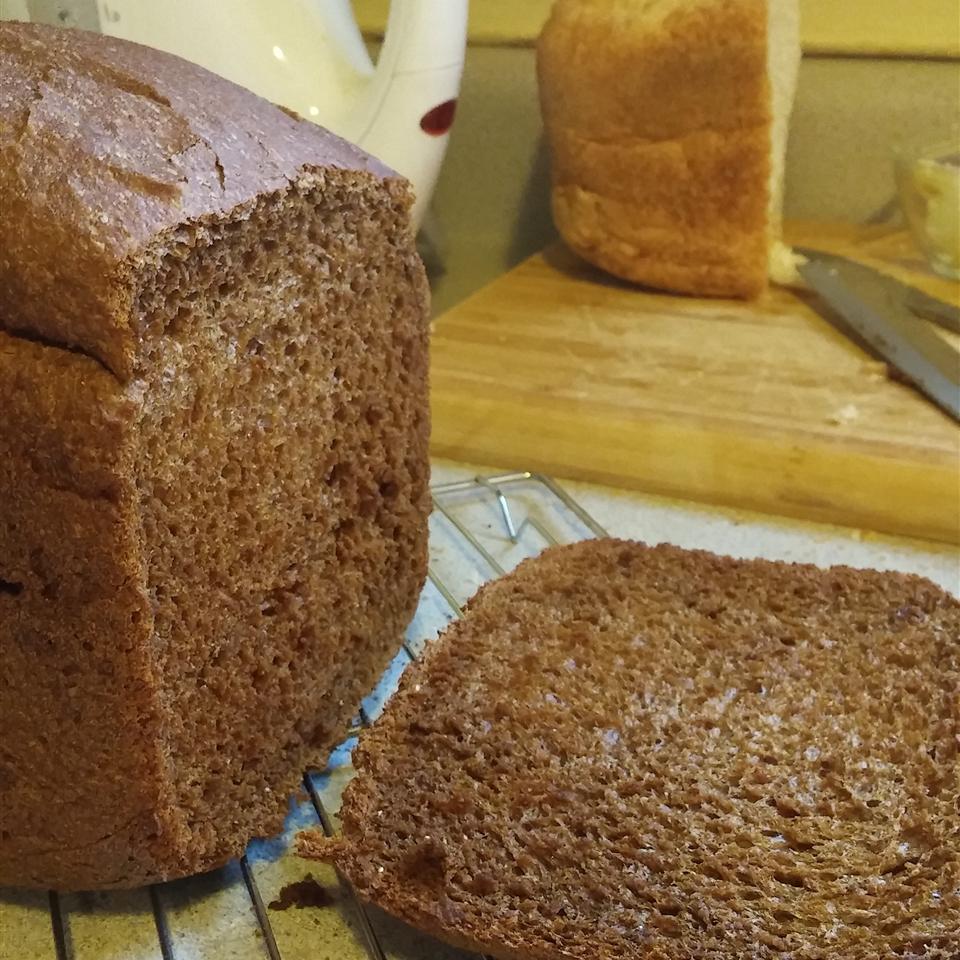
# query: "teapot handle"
{"points": [[418, 72], [425, 34]]}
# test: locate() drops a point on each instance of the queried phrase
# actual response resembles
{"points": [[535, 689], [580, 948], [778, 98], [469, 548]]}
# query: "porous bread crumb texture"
{"points": [[634, 752], [283, 482], [658, 117], [255, 497]]}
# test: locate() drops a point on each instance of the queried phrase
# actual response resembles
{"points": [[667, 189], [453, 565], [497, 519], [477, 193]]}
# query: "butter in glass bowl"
{"points": [[928, 183]]}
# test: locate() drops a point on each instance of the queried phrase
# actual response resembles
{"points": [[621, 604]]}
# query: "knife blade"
{"points": [[878, 309], [917, 301]]}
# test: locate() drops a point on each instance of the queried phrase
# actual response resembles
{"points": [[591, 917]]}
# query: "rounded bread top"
{"points": [[104, 146]]}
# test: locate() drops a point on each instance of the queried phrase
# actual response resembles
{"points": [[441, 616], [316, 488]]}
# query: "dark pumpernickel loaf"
{"points": [[634, 752], [213, 455]]}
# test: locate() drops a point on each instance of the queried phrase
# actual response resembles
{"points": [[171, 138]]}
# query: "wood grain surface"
{"points": [[766, 406]]}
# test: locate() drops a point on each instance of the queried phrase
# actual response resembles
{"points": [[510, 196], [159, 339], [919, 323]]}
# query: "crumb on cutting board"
{"points": [[846, 414]]}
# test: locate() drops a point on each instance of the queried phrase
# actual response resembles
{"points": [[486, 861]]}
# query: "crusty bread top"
{"points": [[631, 752], [675, 75], [104, 146]]}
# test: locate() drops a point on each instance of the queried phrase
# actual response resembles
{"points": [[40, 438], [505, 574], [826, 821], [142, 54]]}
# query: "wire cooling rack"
{"points": [[479, 529]]}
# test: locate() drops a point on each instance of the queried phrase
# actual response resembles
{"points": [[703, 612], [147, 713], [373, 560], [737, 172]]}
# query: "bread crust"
{"points": [[658, 120], [105, 145], [79, 705]]}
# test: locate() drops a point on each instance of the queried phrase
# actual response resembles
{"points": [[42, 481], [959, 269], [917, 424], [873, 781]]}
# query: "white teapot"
{"points": [[308, 55]]}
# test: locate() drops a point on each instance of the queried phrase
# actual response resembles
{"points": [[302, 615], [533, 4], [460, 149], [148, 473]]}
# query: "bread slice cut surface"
{"points": [[634, 752]]}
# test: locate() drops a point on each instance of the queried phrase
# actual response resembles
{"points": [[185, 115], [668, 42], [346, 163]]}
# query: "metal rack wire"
{"points": [[480, 528]]}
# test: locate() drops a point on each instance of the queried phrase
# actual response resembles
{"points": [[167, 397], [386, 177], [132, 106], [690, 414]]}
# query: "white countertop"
{"points": [[739, 533]]}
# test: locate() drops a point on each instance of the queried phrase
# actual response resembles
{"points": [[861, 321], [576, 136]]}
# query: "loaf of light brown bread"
{"points": [[626, 752], [667, 124], [213, 455]]}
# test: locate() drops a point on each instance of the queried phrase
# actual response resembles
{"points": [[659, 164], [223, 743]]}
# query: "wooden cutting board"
{"points": [[766, 406]]}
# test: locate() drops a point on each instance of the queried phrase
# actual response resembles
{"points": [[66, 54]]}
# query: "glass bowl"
{"points": [[928, 185]]}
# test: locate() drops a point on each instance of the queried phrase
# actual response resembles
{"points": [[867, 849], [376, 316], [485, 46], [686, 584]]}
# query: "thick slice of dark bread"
{"points": [[635, 752], [213, 455]]}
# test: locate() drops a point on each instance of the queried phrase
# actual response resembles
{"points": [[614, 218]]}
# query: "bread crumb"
{"points": [[844, 415], [783, 265], [307, 892], [876, 370]]}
